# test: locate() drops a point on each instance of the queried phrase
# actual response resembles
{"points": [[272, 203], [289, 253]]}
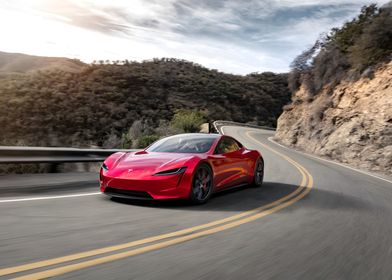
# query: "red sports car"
{"points": [[184, 166]]}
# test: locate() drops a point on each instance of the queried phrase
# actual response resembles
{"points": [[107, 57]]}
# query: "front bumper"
{"points": [[150, 188]]}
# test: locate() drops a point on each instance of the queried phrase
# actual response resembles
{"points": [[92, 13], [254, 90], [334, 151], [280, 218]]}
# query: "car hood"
{"points": [[138, 164]]}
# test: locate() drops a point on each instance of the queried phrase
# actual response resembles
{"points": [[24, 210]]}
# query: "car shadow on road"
{"points": [[247, 198]]}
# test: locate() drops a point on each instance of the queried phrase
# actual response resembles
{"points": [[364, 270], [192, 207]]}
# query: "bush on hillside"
{"points": [[99, 105], [345, 52], [188, 121], [147, 140]]}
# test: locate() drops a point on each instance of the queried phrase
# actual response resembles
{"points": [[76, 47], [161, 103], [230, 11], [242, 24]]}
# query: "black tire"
{"points": [[202, 184], [258, 175]]}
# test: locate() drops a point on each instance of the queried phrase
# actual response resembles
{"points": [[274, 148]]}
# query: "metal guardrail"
{"points": [[22, 154], [217, 124]]}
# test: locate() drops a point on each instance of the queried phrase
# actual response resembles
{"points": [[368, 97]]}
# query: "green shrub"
{"points": [[187, 121], [126, 141], [147, 140]]}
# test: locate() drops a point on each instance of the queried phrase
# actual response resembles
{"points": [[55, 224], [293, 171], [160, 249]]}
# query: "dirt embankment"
{"points": [[351, 122]]}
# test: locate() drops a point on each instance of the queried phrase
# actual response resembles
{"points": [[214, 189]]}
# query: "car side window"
{"points": [[227, 145]]}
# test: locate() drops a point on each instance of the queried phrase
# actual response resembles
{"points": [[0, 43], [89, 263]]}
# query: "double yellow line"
{"points": [[164, 240]]}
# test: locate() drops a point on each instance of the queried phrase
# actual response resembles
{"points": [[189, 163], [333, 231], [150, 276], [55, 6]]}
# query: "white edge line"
{"points": [[48, 197], [330, 161]]}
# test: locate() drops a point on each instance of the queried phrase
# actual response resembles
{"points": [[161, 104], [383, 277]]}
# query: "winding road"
{"points": [[312, 219]]}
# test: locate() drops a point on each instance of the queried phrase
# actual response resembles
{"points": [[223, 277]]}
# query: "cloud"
{"points": [[229, 35], [78, 13]]}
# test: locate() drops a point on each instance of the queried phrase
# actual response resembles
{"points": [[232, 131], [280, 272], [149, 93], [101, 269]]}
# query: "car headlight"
{"points": [[105, 167], [171, 172]]}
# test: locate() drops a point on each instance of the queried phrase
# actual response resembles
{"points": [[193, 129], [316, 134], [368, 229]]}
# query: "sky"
{"points": [[232, 36]]}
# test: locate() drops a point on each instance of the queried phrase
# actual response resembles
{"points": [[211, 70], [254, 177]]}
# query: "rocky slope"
{"points": [[351, 122]]}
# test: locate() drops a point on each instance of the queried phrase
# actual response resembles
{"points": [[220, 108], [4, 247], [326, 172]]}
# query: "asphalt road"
{"points": [[313, 220]]}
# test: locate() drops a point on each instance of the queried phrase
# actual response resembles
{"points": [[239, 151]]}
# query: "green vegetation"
{"points": [[146, 140], [349, 52], [187, 121], [129, 104], [140, 134]]}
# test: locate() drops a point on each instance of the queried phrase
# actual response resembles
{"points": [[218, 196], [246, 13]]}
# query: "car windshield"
{"points": [[183, 144]]}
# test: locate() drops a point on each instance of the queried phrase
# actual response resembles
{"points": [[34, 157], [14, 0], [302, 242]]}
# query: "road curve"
{"points": [[311, 220]]}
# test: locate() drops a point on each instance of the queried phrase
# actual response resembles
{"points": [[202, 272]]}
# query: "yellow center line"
{"points": [[250, 215], [110, 249]]}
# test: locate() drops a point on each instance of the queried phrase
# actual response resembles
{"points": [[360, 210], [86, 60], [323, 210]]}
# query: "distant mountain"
{"points": [[21, 63], [69, 103]]}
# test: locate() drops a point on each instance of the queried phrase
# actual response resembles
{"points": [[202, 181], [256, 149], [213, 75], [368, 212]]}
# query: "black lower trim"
{"points": [[232, 188], [127, 194]]}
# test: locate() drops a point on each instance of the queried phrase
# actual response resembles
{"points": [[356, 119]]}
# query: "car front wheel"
{"points": [[201, 184]]}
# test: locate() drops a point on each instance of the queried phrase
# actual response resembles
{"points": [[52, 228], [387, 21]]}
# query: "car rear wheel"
{"points": [[201, 184], [258, 176]]}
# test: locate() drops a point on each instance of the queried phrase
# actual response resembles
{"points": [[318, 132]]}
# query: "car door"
{"points": [[228, 164]]}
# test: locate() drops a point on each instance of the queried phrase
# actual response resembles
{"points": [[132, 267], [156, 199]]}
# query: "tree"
{"points": [[375, 43], [344, 52]]}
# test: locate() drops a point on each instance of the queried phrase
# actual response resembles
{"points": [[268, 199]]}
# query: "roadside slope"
{"points": [[351, 123]]}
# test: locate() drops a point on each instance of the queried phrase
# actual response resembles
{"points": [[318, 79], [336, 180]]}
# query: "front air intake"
{"points": [[127, 193]]}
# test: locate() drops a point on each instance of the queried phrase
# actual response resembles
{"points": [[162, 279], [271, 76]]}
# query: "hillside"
{"points": [[103, 103], [342, 102], [21, 63]]}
